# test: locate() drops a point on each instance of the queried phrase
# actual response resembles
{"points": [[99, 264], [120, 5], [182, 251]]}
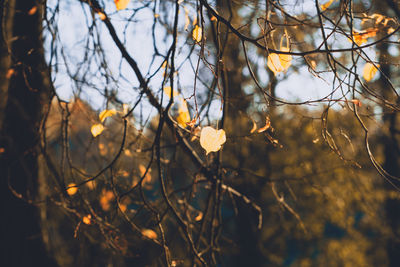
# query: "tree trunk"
{"points": [[27, 95], [390, 140]]}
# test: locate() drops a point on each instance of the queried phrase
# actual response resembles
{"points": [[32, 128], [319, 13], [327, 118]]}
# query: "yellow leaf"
{"points": [[102, 16], [167, 91], [211, 139], [97, 129], [362, 37], [197, 33], [142, 170], [32, 11], [72, 189], [356, 102], [128, 153], [254, 127], [149, 233], [10, 73], [278, 63], [326, 5], [91, 185], [390, 30], [183, 114], [121, 4], [106, 113], [267, 125], [123, 207], [125, 109], [199, 217], [106, 197], [87, 219], [369, 71]]}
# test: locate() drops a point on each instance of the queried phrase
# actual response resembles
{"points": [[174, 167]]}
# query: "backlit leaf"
{"points": [[167, 91], [356, 102], [369, 71], [97, 129], [102, 16], [32, 11], [121, 4], [267, 125], [87, 219], [326, 5], [199, 217], [106, 197], [183, 114], [149, 233], [106, 113], [211, 139], [10, 73], [254, 127], [197, 33], [142, 170], [362, 37], [72, 189], [278, 63]]}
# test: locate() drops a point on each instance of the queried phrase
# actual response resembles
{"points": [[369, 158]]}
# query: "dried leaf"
{"points": [[197, 33], [97, 129], [102, 16], [10, 73], [267, 125], [91, 185], [278, 63], [87, 219], [196, 131], [72, 189], [254, 127], [326, 5], [362, 37], [211, 139], [121, 4], [149, 233], [183, 114], [107, 113], [356, 102], [390, 30], [369, 71], [106, 197], [167, 91], [142, 170], [32, 11], [128, 153], [199, 217], [123, 207]]}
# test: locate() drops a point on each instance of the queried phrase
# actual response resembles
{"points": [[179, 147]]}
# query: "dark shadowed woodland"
{"points": [[200, 133]]}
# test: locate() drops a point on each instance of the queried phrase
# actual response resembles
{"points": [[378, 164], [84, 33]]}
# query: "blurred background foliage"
{"points": [[295, 184]]}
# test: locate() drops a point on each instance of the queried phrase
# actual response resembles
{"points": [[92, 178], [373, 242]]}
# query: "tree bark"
{"points": [[390, 140], [28, 92]]}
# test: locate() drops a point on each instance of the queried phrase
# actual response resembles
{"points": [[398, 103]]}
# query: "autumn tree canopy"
{"points": [[200, 133]]}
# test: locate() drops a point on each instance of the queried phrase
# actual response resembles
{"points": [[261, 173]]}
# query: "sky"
{"points": [[74, 19]]}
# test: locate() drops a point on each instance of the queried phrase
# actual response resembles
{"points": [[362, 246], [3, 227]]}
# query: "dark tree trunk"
{"points": [[28, 93], [390, 140]]}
